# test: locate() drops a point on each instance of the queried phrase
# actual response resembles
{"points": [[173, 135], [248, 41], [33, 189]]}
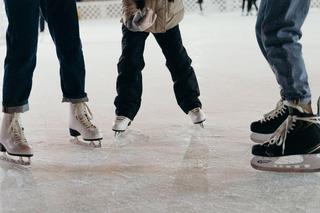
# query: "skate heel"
{"points": [[74, 133], [2, 148]]}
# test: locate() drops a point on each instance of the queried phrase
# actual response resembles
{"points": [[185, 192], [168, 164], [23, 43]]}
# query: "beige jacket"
{"points": [[169, 13]]}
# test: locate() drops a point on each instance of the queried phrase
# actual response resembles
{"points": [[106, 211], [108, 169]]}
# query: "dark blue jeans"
{"points": [[22, 38], [278, 31], [131, 64]]}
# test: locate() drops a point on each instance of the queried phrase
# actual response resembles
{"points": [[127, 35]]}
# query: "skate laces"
{"points": [[16, 130], [279, 110], [84, 115], [280, 136]]}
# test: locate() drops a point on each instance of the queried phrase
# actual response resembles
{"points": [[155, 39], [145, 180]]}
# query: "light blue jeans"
{"points": [[278, 31]]}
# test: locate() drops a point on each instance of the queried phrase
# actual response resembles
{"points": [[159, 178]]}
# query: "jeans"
{"points": [[278, 31], [22, 39], [131, 64]]}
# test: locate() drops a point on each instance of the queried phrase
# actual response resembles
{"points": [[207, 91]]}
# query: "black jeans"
{"points": [[131, 63], [22, 38]]}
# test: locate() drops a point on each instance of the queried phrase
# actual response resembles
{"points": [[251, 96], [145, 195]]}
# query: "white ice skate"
{"points": [[197, 116], [80, 124], [120, 124], [13, 141]]}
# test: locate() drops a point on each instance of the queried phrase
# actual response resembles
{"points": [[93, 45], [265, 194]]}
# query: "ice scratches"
{"points": [[192, 174], [5, 164], [20, 190], [130, 136]]}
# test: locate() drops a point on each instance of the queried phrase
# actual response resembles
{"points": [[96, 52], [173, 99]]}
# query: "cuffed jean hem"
{"points": [[302, 100], [75, 101], [16, 109]]}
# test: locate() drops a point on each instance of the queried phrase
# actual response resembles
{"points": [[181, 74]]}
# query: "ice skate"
{"points": [[80, 125], [197, 116], [120, 125], [262, 130], [13, 143], [294, 147]]}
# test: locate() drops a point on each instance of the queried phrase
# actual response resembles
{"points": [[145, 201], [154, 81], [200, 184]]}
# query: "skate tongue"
{"points": [[298, 111]]}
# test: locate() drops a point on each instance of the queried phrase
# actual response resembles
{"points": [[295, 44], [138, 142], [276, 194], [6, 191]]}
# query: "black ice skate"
{"points": [[263, 129], [294, 147]]}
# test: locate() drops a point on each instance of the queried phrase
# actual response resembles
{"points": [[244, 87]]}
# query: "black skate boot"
{"points": [[263, 129], [294, 147]]}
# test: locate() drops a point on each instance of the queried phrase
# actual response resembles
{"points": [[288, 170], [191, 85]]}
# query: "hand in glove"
{"points": [[141, 20]]}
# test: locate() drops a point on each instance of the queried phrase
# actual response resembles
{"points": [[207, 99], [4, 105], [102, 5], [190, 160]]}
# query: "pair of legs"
{"points": [[20, 62], [22, 38], [249, 5], [291, 129], [131, 64]]}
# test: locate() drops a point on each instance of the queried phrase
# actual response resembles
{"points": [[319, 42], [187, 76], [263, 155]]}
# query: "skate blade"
{"points": [[91, 144], [118, 133], [19, 161], [293, 163]]}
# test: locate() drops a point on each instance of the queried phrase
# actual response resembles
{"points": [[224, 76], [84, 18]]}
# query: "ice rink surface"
{"points": [[163, 163]]}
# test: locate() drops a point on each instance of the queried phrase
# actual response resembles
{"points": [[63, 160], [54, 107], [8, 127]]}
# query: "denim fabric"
{"points": [[131, 64], [278, 31], [22, 38]]}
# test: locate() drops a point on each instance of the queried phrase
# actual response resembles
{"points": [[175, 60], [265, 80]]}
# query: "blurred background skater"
{"points": [[250, 3], [200, 2], [249, 6], [243, 6]]}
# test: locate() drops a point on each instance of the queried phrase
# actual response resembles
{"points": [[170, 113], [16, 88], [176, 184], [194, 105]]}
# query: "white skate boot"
{"points": [[197, 116], [80, 124], [13, 141], [120, 124]]}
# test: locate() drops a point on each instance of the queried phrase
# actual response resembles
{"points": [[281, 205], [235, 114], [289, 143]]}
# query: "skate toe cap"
{"points": [[258, 149]]}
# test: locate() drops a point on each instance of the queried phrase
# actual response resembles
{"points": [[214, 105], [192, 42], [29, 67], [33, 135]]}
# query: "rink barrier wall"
{"points": [[112, 8], [102, 9]]}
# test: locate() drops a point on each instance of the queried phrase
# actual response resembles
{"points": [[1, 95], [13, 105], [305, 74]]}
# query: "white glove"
{"points": [[141, 20]]}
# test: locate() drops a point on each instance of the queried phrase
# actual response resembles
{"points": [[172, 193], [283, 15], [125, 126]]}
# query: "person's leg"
{"points": [[280, 35], [62, 19], [129, 81], [243, 5], [20, 61], [255, 5], [249, 6], [298, 135], [278, 31], [179, 64]]}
